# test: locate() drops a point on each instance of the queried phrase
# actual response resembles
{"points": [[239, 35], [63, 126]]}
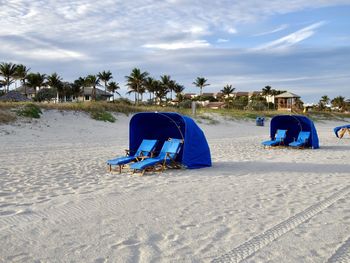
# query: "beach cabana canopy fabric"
{"points": [[195, 152], [294, 124]]}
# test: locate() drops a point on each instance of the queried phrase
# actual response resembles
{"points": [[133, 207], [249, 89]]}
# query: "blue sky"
{"points": [[300, 46]]}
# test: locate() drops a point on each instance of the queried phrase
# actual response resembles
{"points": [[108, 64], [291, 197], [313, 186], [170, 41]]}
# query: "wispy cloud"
{"points": [[222, 40], [179, 45], [278, 29], [292, 39]]}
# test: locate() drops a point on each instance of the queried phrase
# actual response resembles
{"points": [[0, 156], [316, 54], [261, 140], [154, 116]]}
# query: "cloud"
{"points": [[278, 29], [163, 37], [37, 49], [222, 40], [179, 45], [291, 39]]}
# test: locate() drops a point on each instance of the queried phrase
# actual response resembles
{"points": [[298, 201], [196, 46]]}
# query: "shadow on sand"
{"points": [[239, 168]]}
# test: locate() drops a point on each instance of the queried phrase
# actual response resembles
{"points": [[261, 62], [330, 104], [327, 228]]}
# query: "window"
{"points": [[87, 97]]}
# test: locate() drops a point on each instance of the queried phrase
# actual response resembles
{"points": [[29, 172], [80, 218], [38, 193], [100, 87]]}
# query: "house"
{"points": [[286, 101], [208, 94], [254, 93], [86, 95], [241, 94], [26, 90], [215, 105], [190, 96]]}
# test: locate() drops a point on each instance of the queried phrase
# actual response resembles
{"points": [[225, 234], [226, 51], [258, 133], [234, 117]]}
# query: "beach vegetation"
{"points": [[6, 117], [45, 94], [102, 115], [29, 110]]}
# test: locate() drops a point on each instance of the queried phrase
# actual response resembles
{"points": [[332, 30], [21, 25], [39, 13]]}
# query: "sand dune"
{"points": [[58, 203]]}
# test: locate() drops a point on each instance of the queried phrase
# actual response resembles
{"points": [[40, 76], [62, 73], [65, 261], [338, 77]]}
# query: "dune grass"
{"points": [[6, 116], [29, 110], [101, 111], [102, 116]]}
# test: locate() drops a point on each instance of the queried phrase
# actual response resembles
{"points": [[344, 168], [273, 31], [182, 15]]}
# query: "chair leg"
{"points": [[120, 169], [110, 168]]}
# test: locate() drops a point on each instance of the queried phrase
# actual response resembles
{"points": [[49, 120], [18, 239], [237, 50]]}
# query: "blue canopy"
{"points": [[294, 124], [195, 152], [337, 129]]}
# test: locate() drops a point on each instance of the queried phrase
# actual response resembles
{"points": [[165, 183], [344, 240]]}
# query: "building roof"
{"points": [[255, 93], [13, 96], [215, 105], [21, 89], [99, 92], [241, 93], [287, 95]]}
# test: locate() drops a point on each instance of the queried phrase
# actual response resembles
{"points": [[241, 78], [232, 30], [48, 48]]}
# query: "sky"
{"points": [[295, 45]]}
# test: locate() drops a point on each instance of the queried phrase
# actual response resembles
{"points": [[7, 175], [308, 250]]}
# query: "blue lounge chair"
{"points": [[144, 150], [166, 156], [341, 130], [302, 140], [279, 139]]}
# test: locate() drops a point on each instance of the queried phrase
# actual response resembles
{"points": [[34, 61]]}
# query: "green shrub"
{"points": [[101, 115], [45, 94], [29, 110]]}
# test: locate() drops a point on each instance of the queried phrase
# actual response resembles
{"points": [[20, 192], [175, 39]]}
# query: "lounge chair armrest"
{"points": [[167, 154], [143, 157]]}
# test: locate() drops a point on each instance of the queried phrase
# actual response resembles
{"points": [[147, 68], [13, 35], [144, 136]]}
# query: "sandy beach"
{"points": [[58, 203]]}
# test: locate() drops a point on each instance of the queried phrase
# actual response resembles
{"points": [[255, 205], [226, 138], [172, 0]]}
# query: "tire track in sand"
{"points": [[256, 243], [342, 255]]}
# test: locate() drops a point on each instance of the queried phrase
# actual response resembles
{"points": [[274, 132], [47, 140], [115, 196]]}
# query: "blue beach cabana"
{"points": [[195, 152], [294, 124]]}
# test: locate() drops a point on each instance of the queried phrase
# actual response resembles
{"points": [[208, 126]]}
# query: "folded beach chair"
{"points": [[341, 130], [279, 139], [302, 140], [145, 149], [166, 157]]}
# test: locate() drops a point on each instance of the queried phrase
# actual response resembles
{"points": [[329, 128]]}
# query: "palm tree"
{"points": [[150, 85], [21, 74], [160, 90], [200, 82], [78, 87], [325, 99], [167, 83], [135, 82], [36, 80], [227, 90], [55, 81], [178, 89], [92, 81], [339, 102], [113, 87], [8, 72], [267, 91], [105, 76]]}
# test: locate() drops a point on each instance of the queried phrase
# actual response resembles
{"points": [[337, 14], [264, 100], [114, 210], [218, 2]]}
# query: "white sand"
{"points": [[58, 203]]}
